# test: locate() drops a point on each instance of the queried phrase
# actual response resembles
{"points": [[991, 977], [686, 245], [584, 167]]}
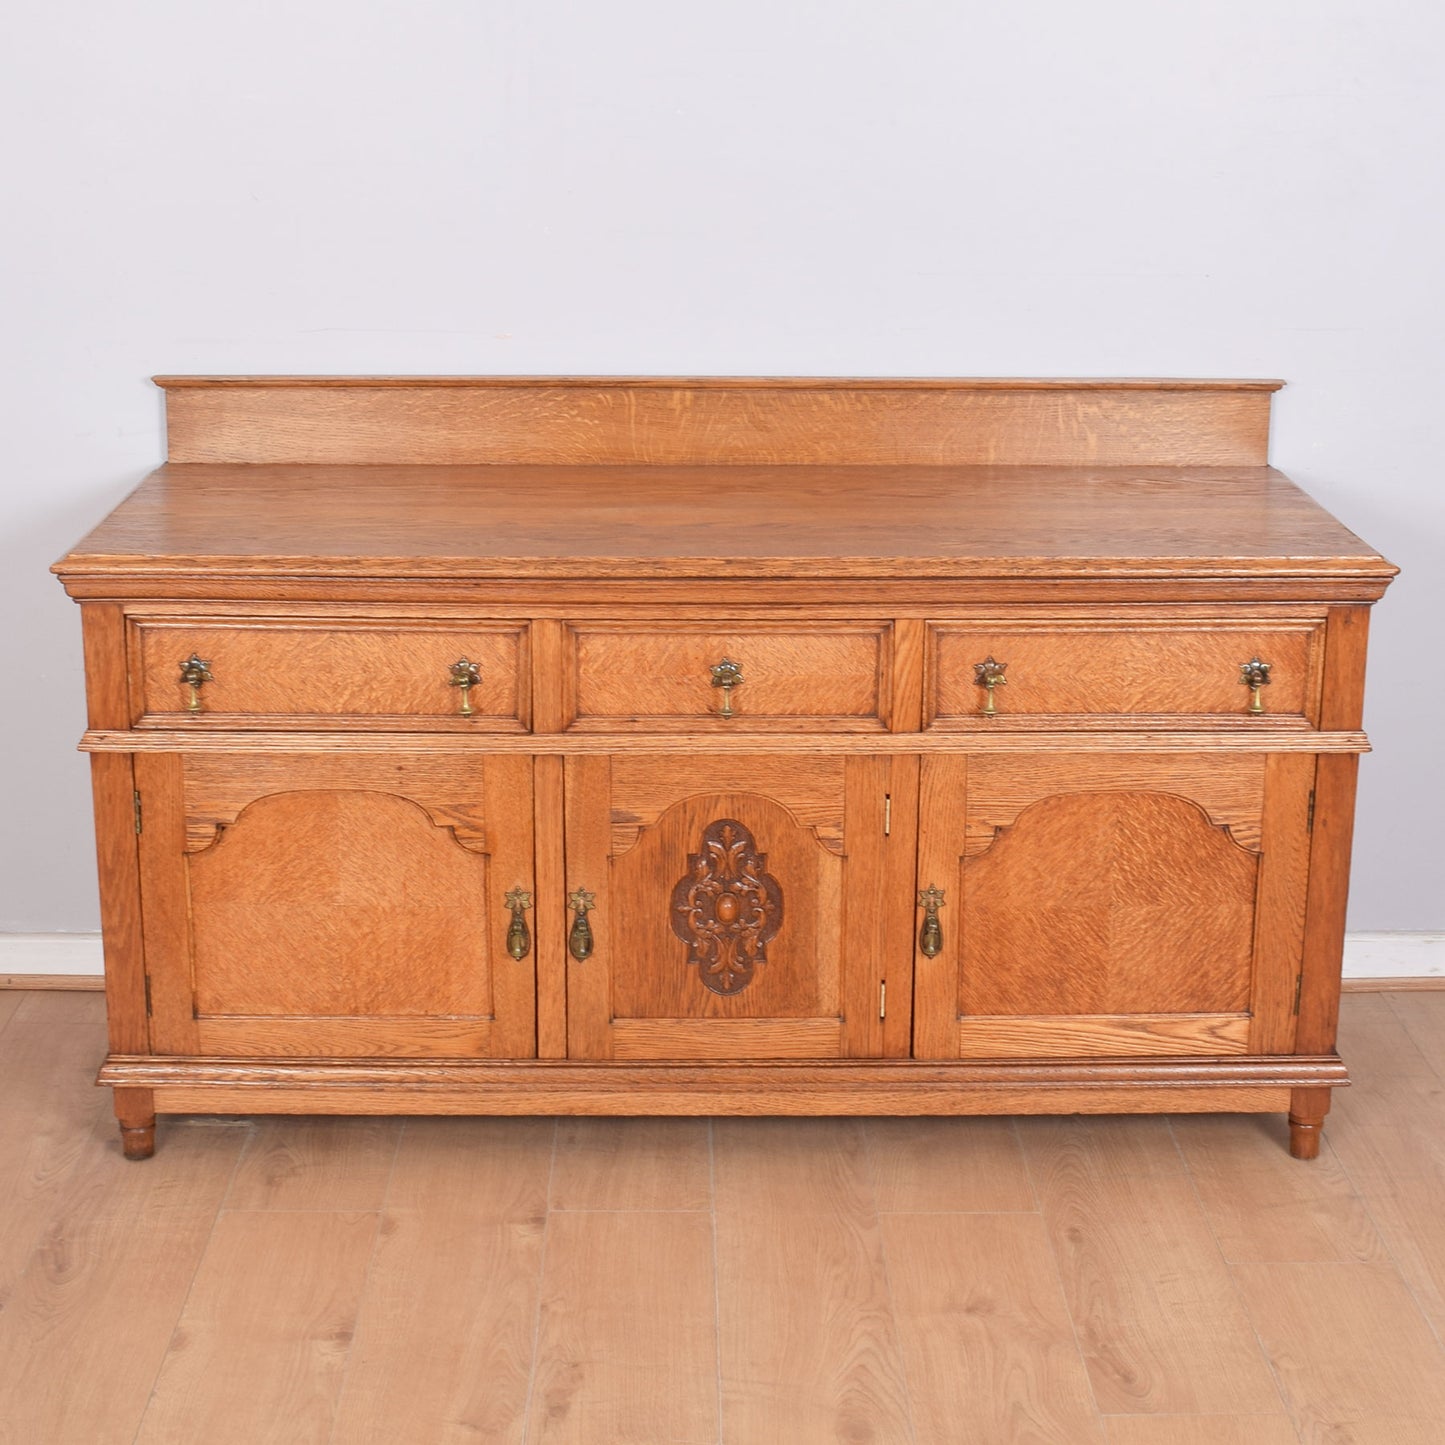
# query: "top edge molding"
{"points": [[734, 383]]}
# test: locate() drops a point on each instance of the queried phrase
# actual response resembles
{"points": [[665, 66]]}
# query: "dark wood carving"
{"points": [[728, 908]]}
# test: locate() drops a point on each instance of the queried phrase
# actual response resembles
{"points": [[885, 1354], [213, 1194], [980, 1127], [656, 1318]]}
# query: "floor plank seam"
{"points": [[716, 1274], [376, 1238], [1363, 1196], [888, 1284], [186, 1297], [1438, 1069], [541, 1278], [1285, 1411]]}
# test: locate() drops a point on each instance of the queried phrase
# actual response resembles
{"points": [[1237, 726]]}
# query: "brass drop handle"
{"points": [[519, 936], [727, 675], [579, 939], [989, 674], [195, 673], [930, 936], [1254, 674], [466, 675]]}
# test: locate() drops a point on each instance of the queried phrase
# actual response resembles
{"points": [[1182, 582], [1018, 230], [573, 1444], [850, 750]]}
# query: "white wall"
{"points": [[1124, 187]]}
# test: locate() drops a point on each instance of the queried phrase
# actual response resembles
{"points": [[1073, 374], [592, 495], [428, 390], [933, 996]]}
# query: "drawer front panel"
{"points": [[1130, 671], [330, 673], [666, 677]]}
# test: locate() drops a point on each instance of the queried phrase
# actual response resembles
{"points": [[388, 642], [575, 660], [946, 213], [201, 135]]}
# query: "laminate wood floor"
{"points": [[1125, 1281]]}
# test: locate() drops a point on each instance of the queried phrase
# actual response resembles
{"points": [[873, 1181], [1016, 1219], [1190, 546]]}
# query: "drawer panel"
{"points": [[332, 672], [1131, 671], [660, 676]]}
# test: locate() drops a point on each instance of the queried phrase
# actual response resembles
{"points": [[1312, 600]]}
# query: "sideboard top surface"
{"points": [[607, 477], [636, 522]]}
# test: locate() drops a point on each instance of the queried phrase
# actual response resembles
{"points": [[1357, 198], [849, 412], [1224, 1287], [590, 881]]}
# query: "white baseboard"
{"points": [[1395, 955], [1367, 955], [51, 953]]}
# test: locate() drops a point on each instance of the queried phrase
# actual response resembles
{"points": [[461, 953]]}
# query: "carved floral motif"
{"points": [[728, 909]]}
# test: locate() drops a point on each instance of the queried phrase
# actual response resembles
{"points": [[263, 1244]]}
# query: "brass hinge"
{"points": [[882, 1000], [1299, 984], [887, 814], [148, 993], [1310, 816], [135, 800]]}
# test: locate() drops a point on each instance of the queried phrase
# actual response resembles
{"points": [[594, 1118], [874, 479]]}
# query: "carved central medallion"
{"points": [[728, 908]]}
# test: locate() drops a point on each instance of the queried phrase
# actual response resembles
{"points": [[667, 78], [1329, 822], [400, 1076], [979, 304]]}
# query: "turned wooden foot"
{"points": [[1307, 1110], [135, 1110]]}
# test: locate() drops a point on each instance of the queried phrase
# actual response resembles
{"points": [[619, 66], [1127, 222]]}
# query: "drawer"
{"points": [[1128, 672], [672, 676], [329, 673]]}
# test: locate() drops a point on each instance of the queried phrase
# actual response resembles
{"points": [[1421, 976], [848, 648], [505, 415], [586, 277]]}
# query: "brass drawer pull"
{"points": [[519, 936], [579, 939], [727, 675], [930, 936], [466, 675], [195, 673], [1254, 674], [989, 674]]}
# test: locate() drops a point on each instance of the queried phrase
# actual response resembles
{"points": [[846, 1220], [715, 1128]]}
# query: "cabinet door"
{"points": [[336, 905], [741, 907], [1098, 904]]}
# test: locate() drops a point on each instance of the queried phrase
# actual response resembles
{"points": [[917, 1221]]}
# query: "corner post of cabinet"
{"points": [[1333, 818], [114, 797]]}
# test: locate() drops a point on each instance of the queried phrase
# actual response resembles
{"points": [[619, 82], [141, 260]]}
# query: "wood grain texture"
{"points": [[1134, 669], [1286, 825], [728, 525], [47, 1123], [1246, 741], [113, 792], [328, 670], [1329, 884], [1347, 1345], [725, 1097], [806, 1336], [986, 1335], [1128, 852], [1389, 1134], [549, 914], [670, 420], [807, 1347], [328, 916], [85, 1328], [333, 1164], [1002, 785], [1076, 1035], [1159, 1322], [48, 982], [1201, 1430], [626, 1345], [443, 1347], [1120, 903], [264, 1364], [815, 991], [621, 676], [1262, 1207], [445, 1329], [948, 1166], [792, 1166], [107, 692], [632, 1164]]}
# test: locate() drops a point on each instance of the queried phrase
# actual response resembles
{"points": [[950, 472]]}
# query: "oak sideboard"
{"points": [[718, 746]]}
